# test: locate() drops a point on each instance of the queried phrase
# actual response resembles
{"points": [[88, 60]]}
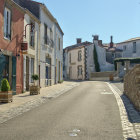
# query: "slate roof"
{"points": [[32, 6]]}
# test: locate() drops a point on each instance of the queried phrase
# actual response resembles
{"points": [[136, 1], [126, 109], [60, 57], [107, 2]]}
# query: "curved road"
{"points": [[87, 112]]}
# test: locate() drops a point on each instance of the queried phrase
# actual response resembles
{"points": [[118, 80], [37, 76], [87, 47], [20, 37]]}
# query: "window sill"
{"points": [[31, 47], [7, 39]]}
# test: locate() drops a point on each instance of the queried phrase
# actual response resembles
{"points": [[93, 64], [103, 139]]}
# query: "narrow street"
{"points": [[87, 112]]}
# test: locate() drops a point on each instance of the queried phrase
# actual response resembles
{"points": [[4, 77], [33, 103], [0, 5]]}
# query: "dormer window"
{"points": [[7, 23]]}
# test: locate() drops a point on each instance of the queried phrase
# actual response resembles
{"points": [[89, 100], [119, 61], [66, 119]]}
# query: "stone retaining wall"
{"points": [[132, 86]]}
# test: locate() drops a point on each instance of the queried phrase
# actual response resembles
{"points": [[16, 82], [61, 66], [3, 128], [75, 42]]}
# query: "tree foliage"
{"points": [[97, 66]]}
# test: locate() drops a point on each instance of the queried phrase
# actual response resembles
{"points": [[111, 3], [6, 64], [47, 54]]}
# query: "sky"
{"points": [[84, 18]]}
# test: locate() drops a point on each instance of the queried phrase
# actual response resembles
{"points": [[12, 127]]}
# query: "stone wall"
{"points": [[132, 86]]}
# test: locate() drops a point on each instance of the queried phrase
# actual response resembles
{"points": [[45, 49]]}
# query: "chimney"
{"points": [[79, 40], [100, 42], [111, 42], [96, 37]]}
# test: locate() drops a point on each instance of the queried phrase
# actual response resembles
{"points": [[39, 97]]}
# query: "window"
{"points": [[79, 55], [59, 43], [70, 57], [7, 23], [79, 70], [45, 34], [134, 47], [32, 34], [32, 68], [124, 48], [51, 34]]}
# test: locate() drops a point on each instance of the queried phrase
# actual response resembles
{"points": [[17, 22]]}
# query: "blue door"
{"points": [[2, 66], [14, 75]]}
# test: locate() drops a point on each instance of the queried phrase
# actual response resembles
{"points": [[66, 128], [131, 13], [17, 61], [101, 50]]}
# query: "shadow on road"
{"points": [[133, 114], [130, 139]]}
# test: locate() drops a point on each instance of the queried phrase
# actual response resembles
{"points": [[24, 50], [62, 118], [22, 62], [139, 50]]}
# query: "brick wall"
{"points": [[132, 86]]}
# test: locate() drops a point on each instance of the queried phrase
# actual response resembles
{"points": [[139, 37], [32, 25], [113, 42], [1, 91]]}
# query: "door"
{"points": [[2, 66], [27, 73], [14, 75]]}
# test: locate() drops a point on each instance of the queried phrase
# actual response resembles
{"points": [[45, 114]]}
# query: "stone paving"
{"points": [[24, 102], [130, 117]]}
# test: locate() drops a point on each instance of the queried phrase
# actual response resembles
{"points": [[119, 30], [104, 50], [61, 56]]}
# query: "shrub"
{"points": [[35, 77], [97, 66], [5, 85], [61, 81]]}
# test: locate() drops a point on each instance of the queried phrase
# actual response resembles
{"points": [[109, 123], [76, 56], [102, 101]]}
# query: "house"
{"points": [[130, 47], [11, 38], [32, 58], [75, 60], [50, 57], [112, 52]]}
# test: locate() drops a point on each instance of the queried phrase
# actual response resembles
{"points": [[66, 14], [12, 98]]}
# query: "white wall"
{"points": [[31, 52], [129, 49], [46, 49]]}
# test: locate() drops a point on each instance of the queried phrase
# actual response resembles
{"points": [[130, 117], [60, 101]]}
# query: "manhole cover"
{"points": [[106, 93], [73, 134], [76, 130]]}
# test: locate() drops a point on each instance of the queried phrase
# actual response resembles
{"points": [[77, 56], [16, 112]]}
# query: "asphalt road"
{"points": [[87, 112]]}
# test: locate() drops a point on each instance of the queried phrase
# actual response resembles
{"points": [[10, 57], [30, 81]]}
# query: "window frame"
{"points": [[7, 23], [134, 47], [79, 55]]}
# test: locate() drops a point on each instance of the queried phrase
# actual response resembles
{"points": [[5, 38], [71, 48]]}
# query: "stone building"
{"points": [[74, 60]]}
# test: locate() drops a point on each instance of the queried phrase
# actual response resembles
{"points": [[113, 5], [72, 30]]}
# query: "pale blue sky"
{"points": [[84, 18]]}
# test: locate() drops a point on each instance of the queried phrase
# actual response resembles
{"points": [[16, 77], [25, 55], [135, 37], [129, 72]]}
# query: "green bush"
{"points": [[35, 77], [61, 81], [5, 85], [97, 66]]}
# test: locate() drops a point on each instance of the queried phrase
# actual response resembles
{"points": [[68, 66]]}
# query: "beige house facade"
{"points": [[76, 63]]}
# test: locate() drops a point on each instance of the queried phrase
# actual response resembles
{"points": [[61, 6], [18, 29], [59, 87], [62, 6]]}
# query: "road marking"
{"points": [[73, 135], [128, 130], [106, 93], [76, 130]]}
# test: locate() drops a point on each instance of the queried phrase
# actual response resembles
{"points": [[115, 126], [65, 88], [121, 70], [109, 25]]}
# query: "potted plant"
{"points": [[34, 89], [5, 93]]}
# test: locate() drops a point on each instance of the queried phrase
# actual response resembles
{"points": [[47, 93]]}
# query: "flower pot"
{"points": [[111, 78], [6, 97], [34, 90]]}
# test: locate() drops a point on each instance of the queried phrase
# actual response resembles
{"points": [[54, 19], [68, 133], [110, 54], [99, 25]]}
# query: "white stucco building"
{"points": [[131, 47], [51, 52], [32, 38]]}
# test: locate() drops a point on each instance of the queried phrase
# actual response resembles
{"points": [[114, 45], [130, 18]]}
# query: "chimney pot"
{"points": [[79, 40]]}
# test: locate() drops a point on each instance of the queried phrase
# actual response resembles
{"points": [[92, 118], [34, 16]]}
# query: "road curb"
{"points": [[127, 126]]}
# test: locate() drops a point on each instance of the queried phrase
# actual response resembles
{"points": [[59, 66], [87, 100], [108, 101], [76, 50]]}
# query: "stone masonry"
{"points": [[132, 86]]}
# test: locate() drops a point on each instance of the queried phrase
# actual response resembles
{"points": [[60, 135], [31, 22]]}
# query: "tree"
{"points": [[97, 66]]}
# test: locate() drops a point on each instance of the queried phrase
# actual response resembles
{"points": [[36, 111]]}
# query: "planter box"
{"points": [[6, 97], [34, 90]]}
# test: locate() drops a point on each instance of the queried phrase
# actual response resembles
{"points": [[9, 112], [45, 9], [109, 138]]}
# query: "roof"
{"points": [[114, 49], [129, 40], [34, 8], [86, 43]]}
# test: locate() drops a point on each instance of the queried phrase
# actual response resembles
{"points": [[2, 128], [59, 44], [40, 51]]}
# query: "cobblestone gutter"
{"points": [[130, 117]]}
